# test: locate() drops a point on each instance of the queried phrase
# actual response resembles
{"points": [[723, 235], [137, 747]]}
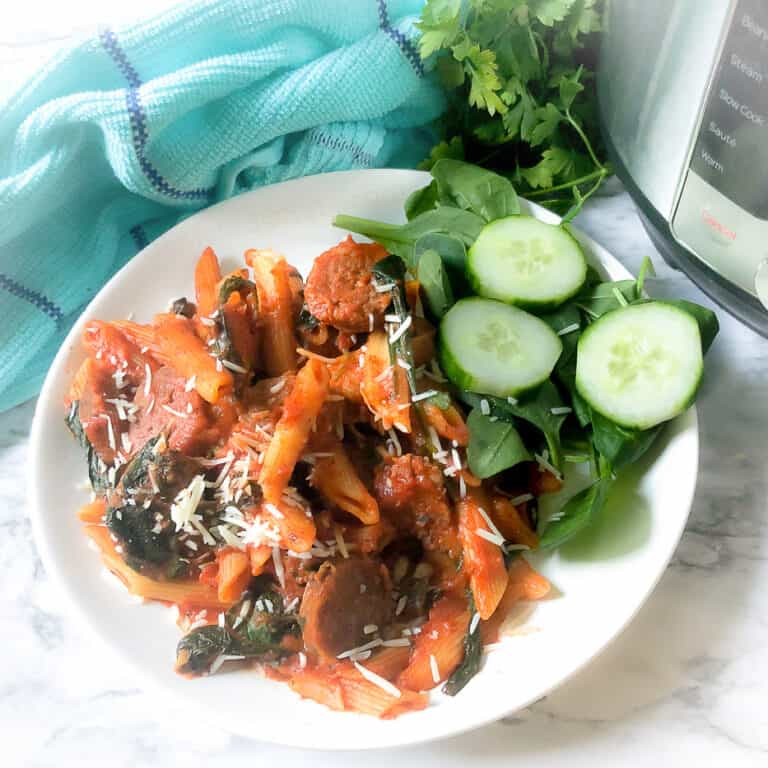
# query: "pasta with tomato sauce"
{"points": [[284, 463]]}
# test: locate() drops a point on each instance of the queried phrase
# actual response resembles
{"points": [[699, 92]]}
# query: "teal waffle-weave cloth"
{"points": [[122, 135]]}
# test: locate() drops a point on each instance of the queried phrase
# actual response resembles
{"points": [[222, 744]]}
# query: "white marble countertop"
{"points": [[685, 684]]}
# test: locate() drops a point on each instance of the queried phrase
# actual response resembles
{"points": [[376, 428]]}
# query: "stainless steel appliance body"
{"points": [[683, 93]]}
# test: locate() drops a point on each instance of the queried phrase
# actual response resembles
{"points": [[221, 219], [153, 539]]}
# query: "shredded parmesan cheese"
{"points": [[402, 329], [372, 677], [278, 562], [433, 667]]}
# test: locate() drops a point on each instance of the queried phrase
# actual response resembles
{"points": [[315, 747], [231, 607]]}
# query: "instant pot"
{"points": [[683, 94]]}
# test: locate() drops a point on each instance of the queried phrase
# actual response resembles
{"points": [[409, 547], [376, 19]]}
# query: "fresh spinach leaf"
{"points": [[620, 446], [596, 300], [470, 664], [400, 239], [493, 445], [535, 408], [646, 268], [421, 200], [453, 254], [566, 318], [434, 282], [475, 189], [576, 514], [581, 408]]}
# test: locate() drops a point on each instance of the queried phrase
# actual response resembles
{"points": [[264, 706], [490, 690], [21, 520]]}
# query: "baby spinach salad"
{"points": [[557, 365]]}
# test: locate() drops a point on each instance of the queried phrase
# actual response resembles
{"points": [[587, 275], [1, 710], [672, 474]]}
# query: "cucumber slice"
{"points": [[640, 365], [495, 349], [523, 261]]}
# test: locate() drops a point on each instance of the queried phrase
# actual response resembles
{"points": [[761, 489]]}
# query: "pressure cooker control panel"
{"points": [[722, 211]]}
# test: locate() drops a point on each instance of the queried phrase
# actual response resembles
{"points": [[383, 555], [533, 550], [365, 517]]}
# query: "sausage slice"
{"points": [[341, 598], [339, 289]]}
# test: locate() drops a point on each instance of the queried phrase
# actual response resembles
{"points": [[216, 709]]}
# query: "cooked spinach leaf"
{"points": [[253, 628], [198, 649], [470, 664], [493, 445], [97, 469], [183, 307], [232, 283]]}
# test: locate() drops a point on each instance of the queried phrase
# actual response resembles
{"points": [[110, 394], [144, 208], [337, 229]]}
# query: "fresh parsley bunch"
{"points": [[523, 102]]}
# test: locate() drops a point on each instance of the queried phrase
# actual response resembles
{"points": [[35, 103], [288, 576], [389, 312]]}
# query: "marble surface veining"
{"points": [[685, 684]]}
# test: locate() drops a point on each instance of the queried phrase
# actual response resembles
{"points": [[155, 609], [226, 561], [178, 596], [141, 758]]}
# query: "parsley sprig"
{"points": [[523, 102]]}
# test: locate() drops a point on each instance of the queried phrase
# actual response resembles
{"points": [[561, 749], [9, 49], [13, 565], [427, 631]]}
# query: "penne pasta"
{"points": [[447, 422], [207, 277], [93, 512], [233, 575], [273, 277], [384, 387], [511, 523], [336, 478], [184, 593], [389, 662], [188, 355], [523, 583], [285, 498], [300, 410], [483, 559], [439, 647]]}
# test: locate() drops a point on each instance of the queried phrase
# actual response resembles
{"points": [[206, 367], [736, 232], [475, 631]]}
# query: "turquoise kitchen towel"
{"points": [[121, 136]]}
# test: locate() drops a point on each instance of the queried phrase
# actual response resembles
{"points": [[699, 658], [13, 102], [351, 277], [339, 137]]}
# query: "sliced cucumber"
{"points": [[640, 365], [523, 261], [495, 349]]}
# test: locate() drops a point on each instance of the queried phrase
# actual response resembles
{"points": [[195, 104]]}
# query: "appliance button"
{"points": [[761, 282]]}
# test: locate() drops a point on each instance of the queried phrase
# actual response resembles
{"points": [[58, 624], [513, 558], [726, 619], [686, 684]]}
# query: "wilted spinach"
{"points": [[97, 469], [253, 628], [473, 654]]}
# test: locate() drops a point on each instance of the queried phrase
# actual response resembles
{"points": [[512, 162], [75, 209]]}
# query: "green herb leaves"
{"points": [[520, 102]]}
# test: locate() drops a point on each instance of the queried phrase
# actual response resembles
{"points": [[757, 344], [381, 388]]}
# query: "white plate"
{"points": [[602, 584]]}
